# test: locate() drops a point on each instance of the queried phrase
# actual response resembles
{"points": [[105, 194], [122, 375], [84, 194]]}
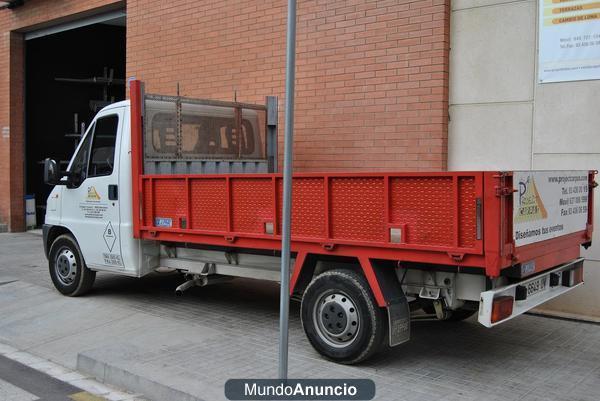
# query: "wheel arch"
{"points": [[380, 274], [51, 233]]}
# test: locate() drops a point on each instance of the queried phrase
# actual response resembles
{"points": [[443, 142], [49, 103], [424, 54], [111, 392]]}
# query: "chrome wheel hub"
{"points": [[336, 319], [66, 266]]}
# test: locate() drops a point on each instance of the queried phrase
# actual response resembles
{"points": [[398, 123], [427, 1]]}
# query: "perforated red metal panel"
{"points": [[467, 209], [357, 208], [308, 207], [434, 211], [252, 204], [170, 200], [426, 206], [208, 206]]}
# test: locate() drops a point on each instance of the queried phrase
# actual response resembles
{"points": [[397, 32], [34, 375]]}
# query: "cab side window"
{"points": [[103, 146], [79, 166]]}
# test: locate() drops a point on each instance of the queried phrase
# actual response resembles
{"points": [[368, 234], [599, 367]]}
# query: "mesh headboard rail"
{"points": [[196, 136]]}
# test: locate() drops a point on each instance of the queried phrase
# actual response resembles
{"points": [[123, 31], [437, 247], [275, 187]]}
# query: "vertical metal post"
{"points": [[284, 298]]}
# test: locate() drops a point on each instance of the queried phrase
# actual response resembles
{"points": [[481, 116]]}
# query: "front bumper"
{"points": [[555, 285]]}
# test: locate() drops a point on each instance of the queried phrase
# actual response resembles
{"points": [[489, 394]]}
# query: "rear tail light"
{"points": [[573, 277], [502, 308]]}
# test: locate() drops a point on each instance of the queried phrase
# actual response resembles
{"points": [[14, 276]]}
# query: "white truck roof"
{"points": [[115, 105]]}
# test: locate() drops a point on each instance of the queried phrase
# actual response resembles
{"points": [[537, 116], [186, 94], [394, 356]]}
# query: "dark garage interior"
{"points": [[70, 76]]}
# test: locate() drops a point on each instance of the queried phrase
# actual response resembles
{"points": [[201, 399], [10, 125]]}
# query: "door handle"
{"points": [[113, 192]]}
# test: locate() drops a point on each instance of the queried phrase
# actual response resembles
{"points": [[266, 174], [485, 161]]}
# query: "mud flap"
{"points": [[397, 307], [399, 321]]}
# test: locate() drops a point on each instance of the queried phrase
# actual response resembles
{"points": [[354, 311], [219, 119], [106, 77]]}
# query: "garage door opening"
{"points": [[69, 76]]}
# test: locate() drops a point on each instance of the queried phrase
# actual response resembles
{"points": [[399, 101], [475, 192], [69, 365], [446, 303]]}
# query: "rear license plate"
{"points": [[536, 286]]}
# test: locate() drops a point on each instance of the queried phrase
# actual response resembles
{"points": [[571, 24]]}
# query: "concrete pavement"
{"points": [[135, 334]]}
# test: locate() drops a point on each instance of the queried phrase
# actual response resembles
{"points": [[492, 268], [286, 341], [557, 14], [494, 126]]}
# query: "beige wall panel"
{"points": [[492, 53], [567, 118], [490, 137]]}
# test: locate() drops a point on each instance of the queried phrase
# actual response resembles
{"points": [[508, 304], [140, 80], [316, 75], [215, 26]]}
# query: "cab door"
{"points": [[90, 202]]}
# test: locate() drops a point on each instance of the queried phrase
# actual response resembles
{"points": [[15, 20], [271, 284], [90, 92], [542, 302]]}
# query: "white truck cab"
{"points": [[93, 203]]}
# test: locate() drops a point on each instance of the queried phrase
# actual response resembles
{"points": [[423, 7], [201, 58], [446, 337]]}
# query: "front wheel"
{"points": [[68, 271], [340, 317]]}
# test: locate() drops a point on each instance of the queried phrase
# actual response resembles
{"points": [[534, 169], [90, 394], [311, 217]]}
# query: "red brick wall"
{"points": [[372, 76], [33, 14], [16, 125]]}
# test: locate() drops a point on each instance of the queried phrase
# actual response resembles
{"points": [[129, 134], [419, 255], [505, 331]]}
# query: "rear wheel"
{"points": [[68, 271], [340, 317]]}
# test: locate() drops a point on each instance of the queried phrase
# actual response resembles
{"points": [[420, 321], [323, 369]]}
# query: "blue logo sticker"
{"points": [[528, 268], [163, 222]]}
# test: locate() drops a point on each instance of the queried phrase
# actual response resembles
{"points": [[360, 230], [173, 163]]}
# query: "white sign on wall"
{"points": [[548, 204], [569, 40]]}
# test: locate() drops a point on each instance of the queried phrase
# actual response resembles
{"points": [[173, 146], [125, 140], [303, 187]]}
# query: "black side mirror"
{"points": [[52, 174]]}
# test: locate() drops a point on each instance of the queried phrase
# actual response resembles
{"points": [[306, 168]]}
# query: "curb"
{"points": [[66, 375], [118, 377]]}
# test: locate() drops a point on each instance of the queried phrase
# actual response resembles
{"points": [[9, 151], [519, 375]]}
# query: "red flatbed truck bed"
{"points": [[454, 218], [446, 221]]}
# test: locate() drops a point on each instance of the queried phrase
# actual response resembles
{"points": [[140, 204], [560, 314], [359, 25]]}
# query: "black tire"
{"points": [[67, 268], [365, 338]]}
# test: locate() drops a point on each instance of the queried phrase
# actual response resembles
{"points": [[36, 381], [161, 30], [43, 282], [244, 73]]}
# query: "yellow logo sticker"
{"points": [[92, 194], [531, 207]]}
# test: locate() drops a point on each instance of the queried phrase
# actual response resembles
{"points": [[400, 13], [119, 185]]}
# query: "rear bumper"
{"points": [[553, 283]]}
